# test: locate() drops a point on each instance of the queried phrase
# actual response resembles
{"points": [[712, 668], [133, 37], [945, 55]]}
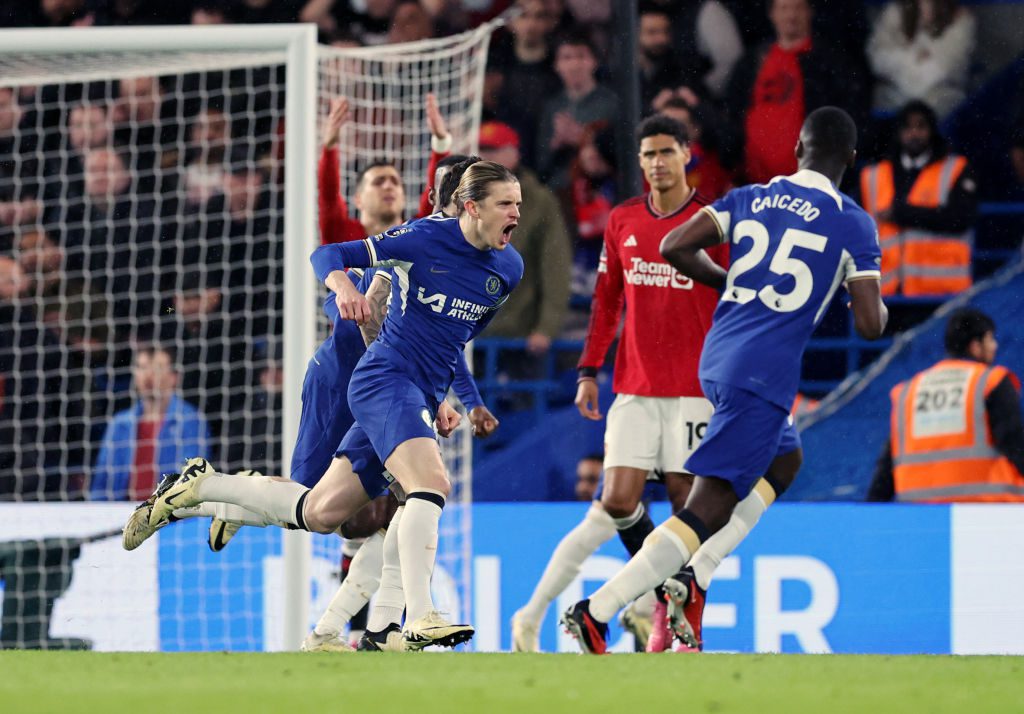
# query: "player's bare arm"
{"points": [[336, 119], [351, 303], [870, 314], [377, 299], [435, 120], [586, 399], [683, 247]]}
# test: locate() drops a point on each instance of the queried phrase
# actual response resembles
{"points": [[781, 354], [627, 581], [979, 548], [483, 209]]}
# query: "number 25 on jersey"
{"points": [[782, 263]]}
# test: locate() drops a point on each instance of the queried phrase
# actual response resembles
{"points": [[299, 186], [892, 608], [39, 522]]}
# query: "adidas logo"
{"points": [[630, 242]]}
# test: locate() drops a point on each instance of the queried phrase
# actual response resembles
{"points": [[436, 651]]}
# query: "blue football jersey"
{"points": [[444, 292], [793, 241]]}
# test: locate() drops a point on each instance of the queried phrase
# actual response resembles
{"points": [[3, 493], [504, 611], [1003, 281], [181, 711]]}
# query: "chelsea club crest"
{"points": [[493, 285]]}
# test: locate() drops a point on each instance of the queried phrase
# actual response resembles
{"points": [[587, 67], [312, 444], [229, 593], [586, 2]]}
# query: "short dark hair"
{"points": [[661, 124], [595, 456], [450, 182], [450, 160], [647, 7], [964, 327], [916, 107], [151, 348], [831, 132], [576, 38], [375, 164]]}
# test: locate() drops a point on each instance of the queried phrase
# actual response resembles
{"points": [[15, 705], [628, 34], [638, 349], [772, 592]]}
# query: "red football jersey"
{"points": [[667, 314]]}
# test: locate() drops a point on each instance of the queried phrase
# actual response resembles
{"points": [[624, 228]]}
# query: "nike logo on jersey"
{"points": [[630, 242]]}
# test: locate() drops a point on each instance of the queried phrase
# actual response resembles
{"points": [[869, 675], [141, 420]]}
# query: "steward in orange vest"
{"points": [[924, 202], [956, 427]]}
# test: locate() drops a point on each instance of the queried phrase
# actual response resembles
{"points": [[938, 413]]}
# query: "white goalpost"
{"points": [[161, 190]]}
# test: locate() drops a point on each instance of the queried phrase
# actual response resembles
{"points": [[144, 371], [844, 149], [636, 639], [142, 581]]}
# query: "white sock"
{"points": [[565, 563], [273, 499], [417, 549], [664, 553], [716, 548], [645, 604], [390, 602], [228, 512], [359, 585]]}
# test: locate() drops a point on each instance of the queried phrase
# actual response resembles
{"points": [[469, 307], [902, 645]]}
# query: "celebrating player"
{"points": [[452, 275], [659, 413], [793, 242]]}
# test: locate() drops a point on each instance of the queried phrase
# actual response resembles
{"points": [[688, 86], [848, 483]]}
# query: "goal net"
{"points": [[155, 304]]}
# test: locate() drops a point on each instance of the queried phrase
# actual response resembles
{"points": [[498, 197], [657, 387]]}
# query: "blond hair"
{"points": [[476, 181]]}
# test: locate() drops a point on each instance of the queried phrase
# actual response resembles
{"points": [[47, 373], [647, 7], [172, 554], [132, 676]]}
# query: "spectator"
{"points": [[588, 203], [146, 132], [211, 12], [251, 12], [153, 436], [537, 308], [921, 49], [777, 84], [706, 171], [924, 200], [255, 429], [88, 127], [213, 372], [582, 101], [238, 249], [369, 24], [588, 476], [661, 66], [209, 136], [410, 23], [941, 449], [110, 233], [523, 61], [707, 31], [20, 469], [19, 189]]}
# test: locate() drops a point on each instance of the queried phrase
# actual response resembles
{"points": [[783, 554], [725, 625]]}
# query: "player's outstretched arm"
{"points": [[683, 247], [870, 314]]}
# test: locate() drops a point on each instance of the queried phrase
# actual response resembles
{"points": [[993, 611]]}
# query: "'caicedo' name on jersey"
{"points": [[783, 201]]}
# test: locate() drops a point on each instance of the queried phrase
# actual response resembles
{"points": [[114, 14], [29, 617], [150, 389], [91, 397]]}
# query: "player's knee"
{"points": [[433, 479], [316, 517], [618, 505]]}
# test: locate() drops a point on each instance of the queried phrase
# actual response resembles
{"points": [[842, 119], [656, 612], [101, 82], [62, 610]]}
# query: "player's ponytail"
{"points": [[476, 181]]}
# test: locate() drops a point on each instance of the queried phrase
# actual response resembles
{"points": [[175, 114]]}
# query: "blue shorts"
{"points": [[388, 406], [356, 447], [746, 433], [324, 422]]}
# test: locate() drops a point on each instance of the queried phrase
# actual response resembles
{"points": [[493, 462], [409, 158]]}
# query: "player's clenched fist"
{"points": [[447, 419], [351, 303], [586, 399], [484, 423]]}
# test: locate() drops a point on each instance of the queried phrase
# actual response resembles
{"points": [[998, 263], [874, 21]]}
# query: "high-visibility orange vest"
{"points": [[942, 448], [918, 262]]}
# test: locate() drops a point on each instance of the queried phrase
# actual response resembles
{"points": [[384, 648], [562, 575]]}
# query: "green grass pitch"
{"points": [[42, 682]]}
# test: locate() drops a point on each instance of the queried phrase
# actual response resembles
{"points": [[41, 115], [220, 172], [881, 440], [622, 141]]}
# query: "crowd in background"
{"points": [[101, 184]]}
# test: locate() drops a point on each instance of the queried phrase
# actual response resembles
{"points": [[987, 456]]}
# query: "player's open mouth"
{"points": [[506, 233]]}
